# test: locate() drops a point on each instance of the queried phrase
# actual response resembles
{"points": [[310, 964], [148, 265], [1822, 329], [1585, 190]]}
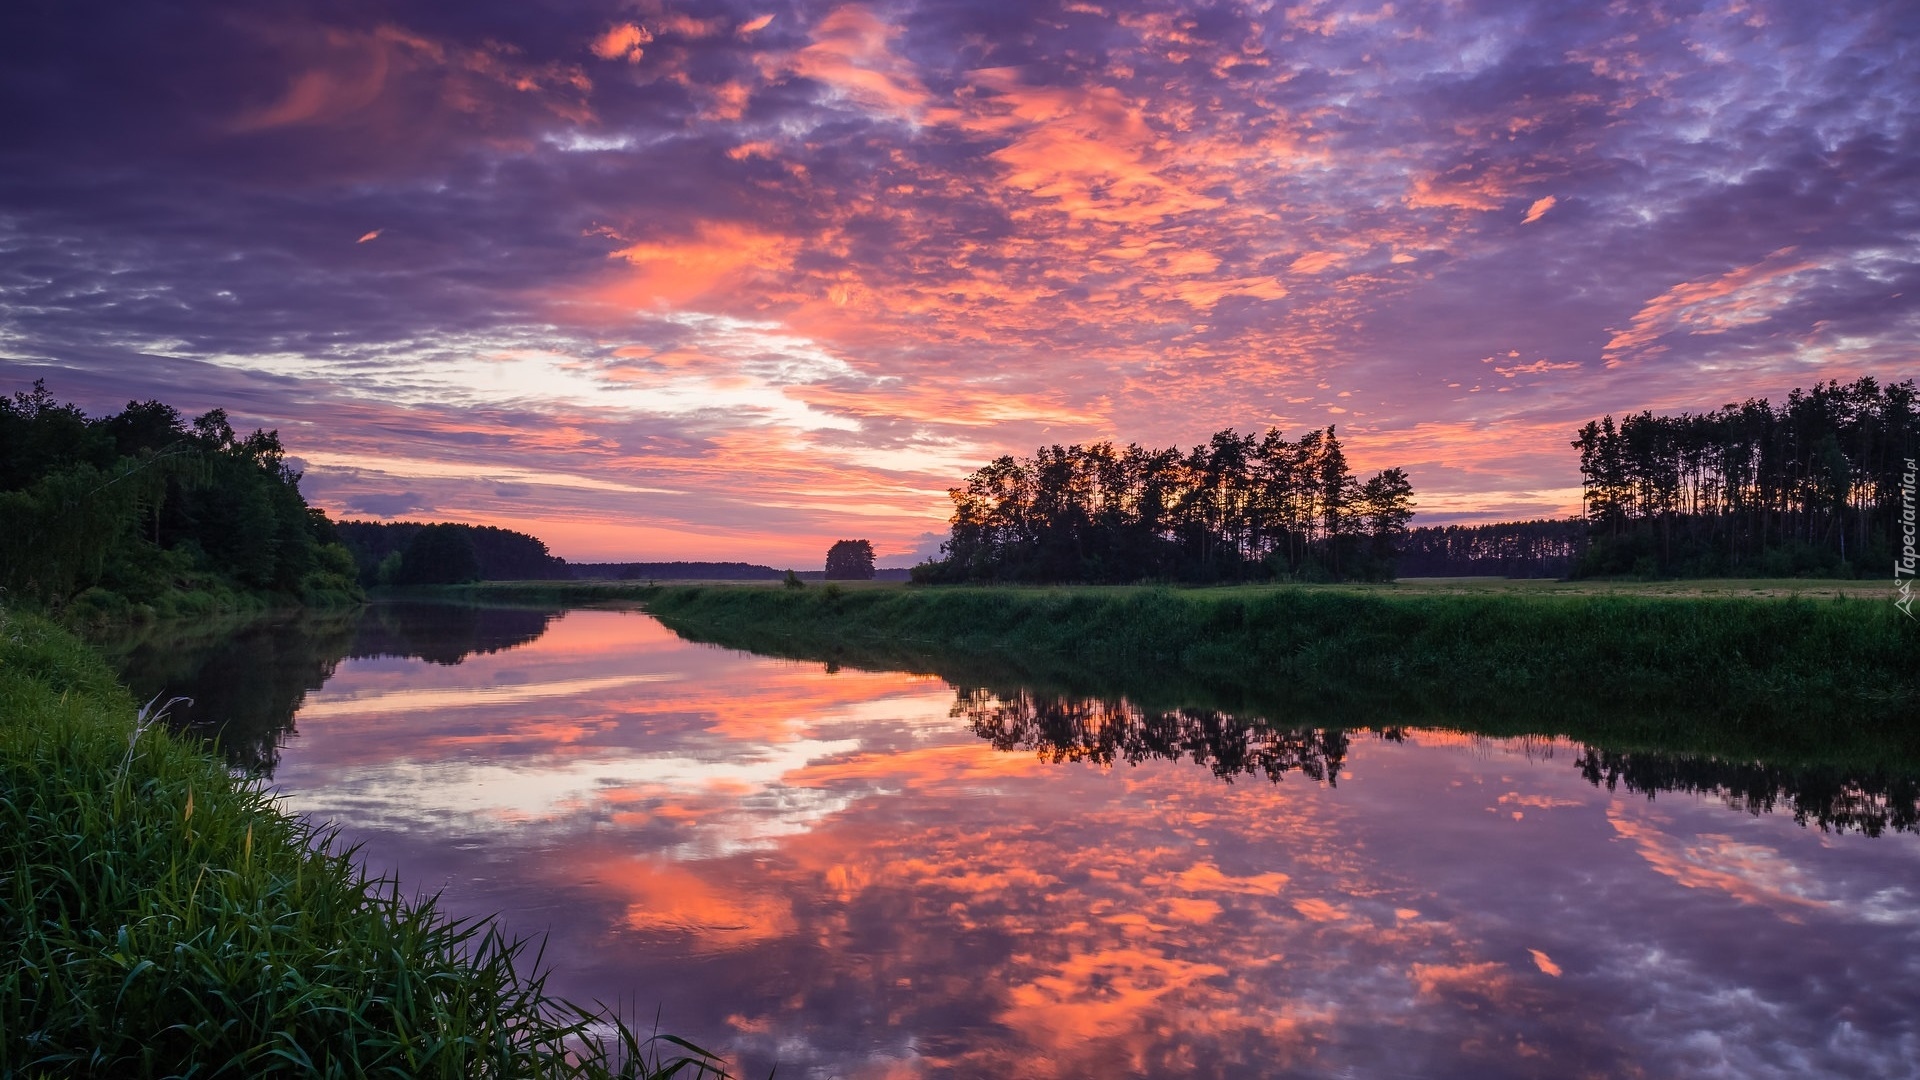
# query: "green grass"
{"points": [[1757, 671], [1617, 646], [162, 918]]}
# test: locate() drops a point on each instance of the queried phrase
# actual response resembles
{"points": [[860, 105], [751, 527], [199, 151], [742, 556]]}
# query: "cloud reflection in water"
{"points": [[867, 875]]}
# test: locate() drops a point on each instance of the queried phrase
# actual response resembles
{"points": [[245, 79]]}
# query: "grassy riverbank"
{"points": [[1736, 668], [162, 918]]}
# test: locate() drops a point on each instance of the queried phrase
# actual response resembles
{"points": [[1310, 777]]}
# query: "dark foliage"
{"points": [[850, 560], [1241, 507], [675, 571], [1790, 677], [501, 554], [438, 555], [140, 510], [444, 634], [1836, 798], [243, 682], [1518, 549], [1112, 730], [1811, 488], [1104, 731], [706, 571]]}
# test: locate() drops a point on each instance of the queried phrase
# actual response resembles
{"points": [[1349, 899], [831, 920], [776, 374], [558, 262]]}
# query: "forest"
{"points": [[144, 511], [1808, 488], [1237, 508], [417, 553], [1546, 548]]}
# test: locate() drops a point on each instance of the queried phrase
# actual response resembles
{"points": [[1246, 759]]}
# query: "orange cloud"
{"points": [[1538, 367], [1749, 873], [1486, 979], [1319, 910], [666, 898], [1740, 297], [1315, 261], [718, 257], [622, 41], [1086, 150], [1099, 995], [686, 26], [1462, 188], [852, 53], [361, 75], [321, 94]]}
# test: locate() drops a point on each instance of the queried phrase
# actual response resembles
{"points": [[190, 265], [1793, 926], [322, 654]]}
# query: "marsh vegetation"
{"points": [[164, 918]]}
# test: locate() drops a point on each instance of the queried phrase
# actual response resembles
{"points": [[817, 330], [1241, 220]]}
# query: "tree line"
{"points": [[1239, 507], [1808, 487], [1549, 547], [418, 553], [142, 508]]}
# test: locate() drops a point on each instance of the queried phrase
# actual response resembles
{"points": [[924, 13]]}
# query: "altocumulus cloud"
{"points": [[738, 280]]}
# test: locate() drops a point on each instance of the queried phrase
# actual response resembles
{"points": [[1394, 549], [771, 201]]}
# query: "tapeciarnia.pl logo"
{"points": [[1904, 565]]}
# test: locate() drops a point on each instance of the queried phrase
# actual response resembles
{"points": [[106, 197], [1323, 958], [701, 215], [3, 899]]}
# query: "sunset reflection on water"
{"points": [[836, 872]]}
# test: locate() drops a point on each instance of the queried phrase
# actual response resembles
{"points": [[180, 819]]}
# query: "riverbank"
{"points": [[163, 917], [1757, 670]]}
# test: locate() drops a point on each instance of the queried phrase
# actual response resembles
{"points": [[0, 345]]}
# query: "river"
{"points": [[881, 875]]}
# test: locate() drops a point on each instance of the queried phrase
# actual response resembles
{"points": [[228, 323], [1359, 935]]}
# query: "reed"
{"points": [[162, 918]]}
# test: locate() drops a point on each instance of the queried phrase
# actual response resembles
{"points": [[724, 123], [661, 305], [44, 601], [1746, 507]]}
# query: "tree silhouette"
{"points": [[1237, 507], [504, 555], [438, 555], [1522, 549], [850, 560], [139, 507], [1810, 487]]}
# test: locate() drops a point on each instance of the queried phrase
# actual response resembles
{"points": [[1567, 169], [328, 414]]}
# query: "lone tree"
{"points": [[850, 560]]}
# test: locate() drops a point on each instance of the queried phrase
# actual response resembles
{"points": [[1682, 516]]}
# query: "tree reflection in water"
{"points": [[1103, 732], [1061, 728], [248, 680], [1835, 798], [245, 681]]}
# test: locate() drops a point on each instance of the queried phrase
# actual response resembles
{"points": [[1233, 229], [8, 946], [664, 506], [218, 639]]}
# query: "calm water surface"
{"points": [[868, 875]]}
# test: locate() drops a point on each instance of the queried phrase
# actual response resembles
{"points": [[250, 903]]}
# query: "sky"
{"points": [[733, 280]]}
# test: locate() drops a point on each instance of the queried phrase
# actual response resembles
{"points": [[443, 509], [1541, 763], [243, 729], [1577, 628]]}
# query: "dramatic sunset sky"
{"points": [[736, 278]]}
